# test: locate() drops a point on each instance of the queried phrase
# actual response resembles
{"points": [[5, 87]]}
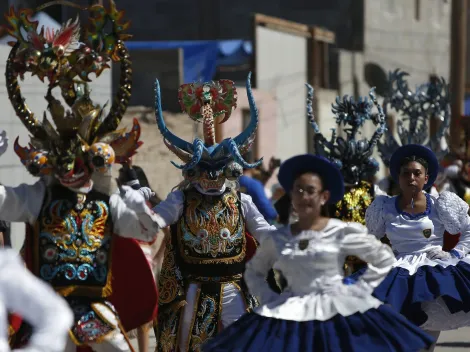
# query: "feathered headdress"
{"points": [[205, 103], [430, 100], [352, 155]]}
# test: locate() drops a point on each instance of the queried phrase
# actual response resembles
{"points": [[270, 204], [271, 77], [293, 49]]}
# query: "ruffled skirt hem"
{"points": [[377, 330]]}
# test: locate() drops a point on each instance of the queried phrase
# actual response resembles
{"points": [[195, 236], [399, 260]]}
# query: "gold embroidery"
{"points": [[212, 230], [61, 229], [205, 327], [168, 286]]}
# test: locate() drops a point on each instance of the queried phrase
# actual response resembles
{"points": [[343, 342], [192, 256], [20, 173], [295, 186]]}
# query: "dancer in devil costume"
{"points": [[201, 288], [76, 232], [353, 156]]}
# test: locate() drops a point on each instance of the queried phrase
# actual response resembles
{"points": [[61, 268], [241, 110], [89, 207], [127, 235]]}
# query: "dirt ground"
{"points": [[153, 156]]}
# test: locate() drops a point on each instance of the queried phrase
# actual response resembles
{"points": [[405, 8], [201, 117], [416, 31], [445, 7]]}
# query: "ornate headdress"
{"points": [[430, 100], [353, 156], [207, 162], [82, 138]]}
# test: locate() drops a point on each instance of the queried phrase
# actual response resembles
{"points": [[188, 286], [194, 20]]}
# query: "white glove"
{"points": [[3, 142], [146, 192], [133, 199], [437, 253]]}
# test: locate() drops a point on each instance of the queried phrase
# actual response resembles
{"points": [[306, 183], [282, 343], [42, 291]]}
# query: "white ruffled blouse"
{"points": [[412, 236], [312, 264]]}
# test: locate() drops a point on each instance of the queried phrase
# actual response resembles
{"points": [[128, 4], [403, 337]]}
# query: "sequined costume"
{"points": [[75, 227], [352, 156], [201, 287]]}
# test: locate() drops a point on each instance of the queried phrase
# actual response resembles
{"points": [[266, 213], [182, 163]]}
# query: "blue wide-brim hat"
{"points": [[420, 151], [329, 173]]}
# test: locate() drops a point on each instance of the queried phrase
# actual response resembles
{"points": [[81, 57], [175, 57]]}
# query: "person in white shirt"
{"points": [[22, 293], [316, 311], [431, 239]]}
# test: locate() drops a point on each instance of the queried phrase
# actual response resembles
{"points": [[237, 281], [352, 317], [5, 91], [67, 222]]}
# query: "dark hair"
{"points": [[283, 209], [303, 172], [412, 158]]}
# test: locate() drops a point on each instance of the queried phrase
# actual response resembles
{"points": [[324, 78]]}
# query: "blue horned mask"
{"points": [[415, 110], [352, 155], [206, 163]]}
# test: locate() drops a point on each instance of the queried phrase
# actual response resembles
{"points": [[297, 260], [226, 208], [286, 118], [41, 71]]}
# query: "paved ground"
{"points": [[450, 341], [454, 341]]}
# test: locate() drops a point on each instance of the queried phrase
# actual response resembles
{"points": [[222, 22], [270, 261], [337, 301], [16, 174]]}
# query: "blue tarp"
{"points": [[202, 57], [467, 106]]}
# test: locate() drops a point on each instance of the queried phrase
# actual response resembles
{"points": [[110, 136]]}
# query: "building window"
{"points": [[417, 10]]}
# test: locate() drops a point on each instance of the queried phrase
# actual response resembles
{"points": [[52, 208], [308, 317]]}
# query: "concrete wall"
{"points": [[12, 172], [281, 67], [267, 136]]}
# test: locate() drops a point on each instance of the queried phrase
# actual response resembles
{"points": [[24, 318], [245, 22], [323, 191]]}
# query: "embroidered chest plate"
{"points": [[74, 238], [212, 229]]}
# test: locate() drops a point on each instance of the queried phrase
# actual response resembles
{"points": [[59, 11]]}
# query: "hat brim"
{"points": [[329, 173], [419, 151]]}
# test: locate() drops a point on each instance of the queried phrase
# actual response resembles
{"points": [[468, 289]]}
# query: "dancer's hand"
{"points": [[133, 199], [437, 253]]}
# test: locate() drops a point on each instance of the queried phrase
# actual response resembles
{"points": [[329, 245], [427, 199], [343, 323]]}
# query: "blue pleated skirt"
{"points": [[405, 292], [376, 330]]}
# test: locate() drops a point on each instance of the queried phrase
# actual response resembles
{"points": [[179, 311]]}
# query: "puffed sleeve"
{"points": [[453, 212], [171, 209], [379, 256], [48, 313], [22, 203], [375, 220], [256, 224], [258, 267]]}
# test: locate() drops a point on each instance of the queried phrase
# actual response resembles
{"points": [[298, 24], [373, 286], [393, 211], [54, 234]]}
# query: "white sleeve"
{"points": [[379, 256], [453, 212], [258, 267], [256, 224], [375, 220], [22, 203], [35, 301], [171, 209], [132, 218], [378, 191]]}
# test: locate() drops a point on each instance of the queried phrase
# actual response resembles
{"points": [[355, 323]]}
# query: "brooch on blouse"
{"points": [[303, 244], [427, 233]]}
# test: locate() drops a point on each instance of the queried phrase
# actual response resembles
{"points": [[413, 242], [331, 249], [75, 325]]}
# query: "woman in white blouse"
{"points": [[430, 280], [316, 311], [22, 293]]}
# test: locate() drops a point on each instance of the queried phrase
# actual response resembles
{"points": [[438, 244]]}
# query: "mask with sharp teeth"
{"points": [[72, 143]]}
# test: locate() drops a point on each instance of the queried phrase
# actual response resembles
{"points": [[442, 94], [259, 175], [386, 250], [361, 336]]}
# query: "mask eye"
{"points": [[191, 174], [233, 171], [101, 157]]}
